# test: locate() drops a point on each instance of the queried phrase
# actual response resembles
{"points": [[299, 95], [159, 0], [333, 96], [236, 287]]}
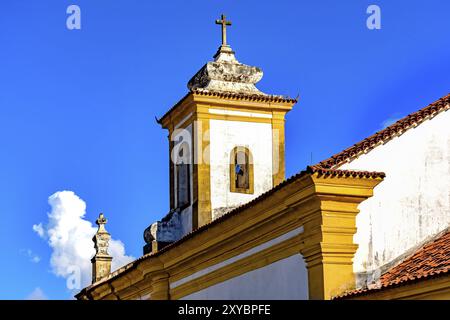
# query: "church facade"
{"points": [[348, 227]]}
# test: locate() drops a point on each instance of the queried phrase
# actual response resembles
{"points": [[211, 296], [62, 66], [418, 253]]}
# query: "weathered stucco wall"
{"points": [[224, 136], [413, 202]]}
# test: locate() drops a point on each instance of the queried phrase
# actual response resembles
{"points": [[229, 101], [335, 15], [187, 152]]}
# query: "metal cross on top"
{"points": [[223, 21]]}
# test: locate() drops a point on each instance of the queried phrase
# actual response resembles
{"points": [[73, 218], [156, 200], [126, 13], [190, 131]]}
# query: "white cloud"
{"points": [[69, 236], [37, 294], [39, 229], [31, 255]]}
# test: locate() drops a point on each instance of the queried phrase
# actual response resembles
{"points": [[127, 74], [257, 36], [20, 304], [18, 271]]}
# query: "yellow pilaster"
{"points": [[329, 229], [278, 148], [202, 177]]}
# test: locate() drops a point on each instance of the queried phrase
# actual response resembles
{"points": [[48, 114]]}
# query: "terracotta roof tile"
{"points": [[433, 257], [383, 136], [245, 96], [431, 260]]}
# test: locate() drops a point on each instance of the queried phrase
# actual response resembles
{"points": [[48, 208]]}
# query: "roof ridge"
{"points": [[399, 127], [244, 96]]}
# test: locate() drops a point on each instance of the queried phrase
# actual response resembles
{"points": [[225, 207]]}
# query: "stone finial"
{"points": [[101, 262], [226, 74]]}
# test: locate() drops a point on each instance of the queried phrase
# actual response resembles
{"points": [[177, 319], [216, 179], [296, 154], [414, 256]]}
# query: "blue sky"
{"points": [[78, 107]]}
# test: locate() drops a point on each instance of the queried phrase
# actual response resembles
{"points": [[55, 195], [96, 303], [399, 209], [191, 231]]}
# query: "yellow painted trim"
{"points": [[185, 107], [230, 110], [237, 118]]}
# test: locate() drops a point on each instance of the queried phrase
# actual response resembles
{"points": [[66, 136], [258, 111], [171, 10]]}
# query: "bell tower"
{"points": [[226, 143]]}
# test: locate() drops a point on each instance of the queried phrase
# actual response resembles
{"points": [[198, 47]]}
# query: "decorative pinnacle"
{"points": [[101, 220], [101, 238], [101, 262]]}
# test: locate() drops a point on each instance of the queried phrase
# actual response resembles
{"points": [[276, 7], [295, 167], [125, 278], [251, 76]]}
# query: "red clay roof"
{"points": [[388, 133], [431, 260]]}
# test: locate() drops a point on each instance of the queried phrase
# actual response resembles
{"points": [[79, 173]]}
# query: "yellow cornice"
{"points": [[249, 104], [190, 102]]}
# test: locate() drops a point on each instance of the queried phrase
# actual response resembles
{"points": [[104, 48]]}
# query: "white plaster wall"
{"points": [[413, 202], [224, 136], [283, 279]]}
